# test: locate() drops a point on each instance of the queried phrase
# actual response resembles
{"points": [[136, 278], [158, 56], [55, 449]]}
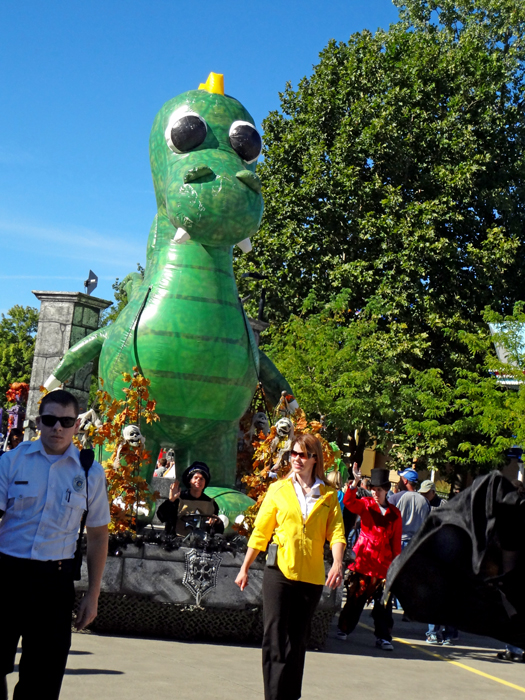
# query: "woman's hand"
{"points": [[174, 491], [242, 579], [335, 576], [357, 475], [242, 576]]}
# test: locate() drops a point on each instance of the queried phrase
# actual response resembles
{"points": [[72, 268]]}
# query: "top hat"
{"points": [[196, 467], [380, 477]]}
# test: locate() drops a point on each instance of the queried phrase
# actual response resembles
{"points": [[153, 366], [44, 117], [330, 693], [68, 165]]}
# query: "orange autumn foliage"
{"points": [[266, 456], [127, 490]]}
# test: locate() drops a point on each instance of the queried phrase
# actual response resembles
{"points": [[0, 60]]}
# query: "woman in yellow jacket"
{"points": [[301, 512]]}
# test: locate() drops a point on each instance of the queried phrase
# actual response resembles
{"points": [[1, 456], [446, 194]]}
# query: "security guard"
{"points": [[43, 496]]}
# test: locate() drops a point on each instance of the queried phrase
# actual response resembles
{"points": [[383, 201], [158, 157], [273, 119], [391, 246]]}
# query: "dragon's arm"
{"points": [[76, 357], [272, 380]]}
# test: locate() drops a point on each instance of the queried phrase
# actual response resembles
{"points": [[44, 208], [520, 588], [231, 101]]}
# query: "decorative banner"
{"points": [[200, 574]]}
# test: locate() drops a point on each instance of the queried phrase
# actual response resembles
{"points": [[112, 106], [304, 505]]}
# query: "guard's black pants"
{"points": [[37, 602], [288, 610]]}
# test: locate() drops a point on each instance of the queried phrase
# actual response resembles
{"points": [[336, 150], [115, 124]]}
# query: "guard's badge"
{"points": [[79, 482]]}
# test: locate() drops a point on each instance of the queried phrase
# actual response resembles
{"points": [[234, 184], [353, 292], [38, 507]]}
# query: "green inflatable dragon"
{"points": [[184, 326]]}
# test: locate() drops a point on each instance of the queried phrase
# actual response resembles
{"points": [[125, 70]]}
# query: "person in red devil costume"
{"points": [[377, 546]]}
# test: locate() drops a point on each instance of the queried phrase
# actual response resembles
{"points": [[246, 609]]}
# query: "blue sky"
{"points": [[80, 84]]}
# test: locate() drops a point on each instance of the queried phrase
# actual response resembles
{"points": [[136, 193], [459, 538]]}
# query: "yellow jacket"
{"points": [[300, 543]]}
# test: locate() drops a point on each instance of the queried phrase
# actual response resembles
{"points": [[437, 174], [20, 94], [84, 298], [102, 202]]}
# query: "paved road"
{"points": [[102, 667]]}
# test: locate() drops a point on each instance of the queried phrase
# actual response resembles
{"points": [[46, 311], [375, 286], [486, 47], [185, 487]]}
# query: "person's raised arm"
{"points": [[350, 500], [97, 552]]}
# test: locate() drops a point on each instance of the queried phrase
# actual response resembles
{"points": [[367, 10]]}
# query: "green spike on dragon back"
{"points": [[184, 326]]}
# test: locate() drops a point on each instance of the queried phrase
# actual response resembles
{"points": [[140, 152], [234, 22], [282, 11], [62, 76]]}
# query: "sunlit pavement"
{"points": [[103, 667]]}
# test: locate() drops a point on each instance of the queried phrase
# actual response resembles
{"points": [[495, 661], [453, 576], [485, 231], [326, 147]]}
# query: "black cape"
{"points": [[466, 565]]}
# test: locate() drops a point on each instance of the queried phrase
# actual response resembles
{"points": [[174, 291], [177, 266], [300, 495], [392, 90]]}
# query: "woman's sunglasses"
{"points": [[301, 455], [51, 421]]}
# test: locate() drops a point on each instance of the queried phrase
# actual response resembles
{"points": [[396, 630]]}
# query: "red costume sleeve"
{"points": [[353, 503]]}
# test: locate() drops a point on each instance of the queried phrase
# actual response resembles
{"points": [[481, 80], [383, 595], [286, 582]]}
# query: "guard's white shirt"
{"points": [[307, 501], [43, 497]]}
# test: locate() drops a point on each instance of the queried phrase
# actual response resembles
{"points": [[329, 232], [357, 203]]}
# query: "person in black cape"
{"points": [[466, 565]]}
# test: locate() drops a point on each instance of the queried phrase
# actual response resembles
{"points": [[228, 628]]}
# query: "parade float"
{"points": [[185, 350]]}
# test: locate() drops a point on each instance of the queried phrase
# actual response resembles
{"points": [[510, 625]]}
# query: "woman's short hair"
{"points": [[334, 479], [311, 445]]}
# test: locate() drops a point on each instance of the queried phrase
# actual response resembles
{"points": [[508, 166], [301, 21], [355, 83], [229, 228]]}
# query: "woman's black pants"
{"points": [[288, 610]]}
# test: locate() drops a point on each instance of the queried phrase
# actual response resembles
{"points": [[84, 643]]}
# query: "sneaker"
{"points": [[384, 645], [432, 639], [341, 635], [447, 643]]}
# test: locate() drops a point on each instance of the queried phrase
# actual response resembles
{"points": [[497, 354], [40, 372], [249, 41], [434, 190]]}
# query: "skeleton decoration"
{"points": [[133, 436], [285, 432], [87, 421], [288, 404], [259, 423]]}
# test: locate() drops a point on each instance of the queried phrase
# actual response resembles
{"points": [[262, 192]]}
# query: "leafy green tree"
{"points": [[395, 172], [17, 345], [361, 376]]}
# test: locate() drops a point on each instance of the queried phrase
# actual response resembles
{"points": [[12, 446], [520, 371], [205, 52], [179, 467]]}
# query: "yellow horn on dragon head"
{"points": [[215, 84]]}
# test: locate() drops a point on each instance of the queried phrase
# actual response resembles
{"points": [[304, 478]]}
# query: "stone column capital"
{"points": [[73, 298]]}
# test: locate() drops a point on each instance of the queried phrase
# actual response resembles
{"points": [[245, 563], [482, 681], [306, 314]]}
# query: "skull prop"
{"points": [[88, 420], [285, 431], [133, 436], [284, 427], [259, 422]]}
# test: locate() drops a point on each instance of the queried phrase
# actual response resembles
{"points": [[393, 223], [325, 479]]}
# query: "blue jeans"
{"points": [[448, 631]]}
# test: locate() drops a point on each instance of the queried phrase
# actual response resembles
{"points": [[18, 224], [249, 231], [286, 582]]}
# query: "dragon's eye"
{"points": [[245, 141], [185, 131]]}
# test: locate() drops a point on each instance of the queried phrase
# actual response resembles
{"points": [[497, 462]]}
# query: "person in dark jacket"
{"points": [[378, 544], [179, 510], [428, 490]]}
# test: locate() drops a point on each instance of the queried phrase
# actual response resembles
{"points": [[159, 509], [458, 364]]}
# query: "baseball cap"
{"points": [[409, 475], [427, 486]]}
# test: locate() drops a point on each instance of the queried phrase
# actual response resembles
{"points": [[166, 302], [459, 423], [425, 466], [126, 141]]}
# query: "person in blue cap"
{"points": [[412, 505]]}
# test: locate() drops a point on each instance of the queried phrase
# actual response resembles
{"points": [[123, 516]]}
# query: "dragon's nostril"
{"points": [[250, 179], [199, 173]]}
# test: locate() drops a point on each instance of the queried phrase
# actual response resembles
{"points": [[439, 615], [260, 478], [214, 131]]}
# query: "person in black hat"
{"points": [[378, 544], [179, 510]]}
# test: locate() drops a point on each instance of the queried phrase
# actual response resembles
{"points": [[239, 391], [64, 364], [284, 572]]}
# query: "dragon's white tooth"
{"points": [[52, 383], [181, 235], [245, 245]]}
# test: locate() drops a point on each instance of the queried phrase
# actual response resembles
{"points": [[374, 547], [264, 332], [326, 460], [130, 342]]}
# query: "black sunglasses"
{"points": [[51, 421]]}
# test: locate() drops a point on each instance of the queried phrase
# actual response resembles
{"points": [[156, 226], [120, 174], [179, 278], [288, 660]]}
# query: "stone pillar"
{"points": [[65, 318]]}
